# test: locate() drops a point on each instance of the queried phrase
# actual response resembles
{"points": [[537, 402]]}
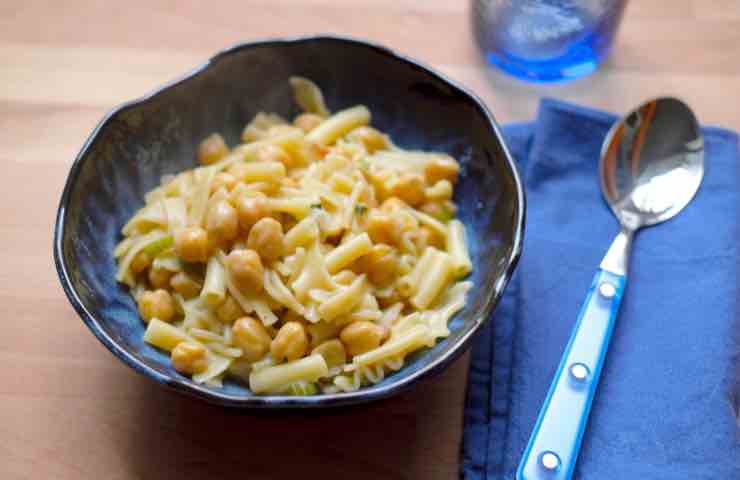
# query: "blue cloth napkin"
{"points": [[668, 400]]}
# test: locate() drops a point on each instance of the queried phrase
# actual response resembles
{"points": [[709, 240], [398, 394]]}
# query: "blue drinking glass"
{"points": [[546, 40]]}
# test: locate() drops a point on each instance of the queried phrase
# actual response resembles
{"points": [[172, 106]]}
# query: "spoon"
{"points": [[652, 162]]}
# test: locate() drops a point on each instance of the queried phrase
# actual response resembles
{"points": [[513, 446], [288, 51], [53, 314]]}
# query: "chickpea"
{"points": [[223, 180], [246, 269], [443, 168], [273, 153], [192, 244], [189, 358], [141, 262], [410, 188], [159, 277], [184, 285], [371, 138], [333, 353], [380, 264], [229, 310], [381, 228], [222, 222], [250, 335], [212, 149], [266, 238], [361, 337], [290, 343], [251, 209], [307, 121], [156, 304]]}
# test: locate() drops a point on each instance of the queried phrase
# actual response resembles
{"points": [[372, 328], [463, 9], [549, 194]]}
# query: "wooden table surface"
{"points": [[68, 408]]}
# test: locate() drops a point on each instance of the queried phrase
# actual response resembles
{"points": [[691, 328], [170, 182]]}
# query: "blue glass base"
{"points": [[544, 71]]}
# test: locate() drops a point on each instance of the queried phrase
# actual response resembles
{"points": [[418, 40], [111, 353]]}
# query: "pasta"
{"points": [[214, 286], [348, 252], [433, 280], [280, 377], [461, 263], [313, 257], [344, 301]]}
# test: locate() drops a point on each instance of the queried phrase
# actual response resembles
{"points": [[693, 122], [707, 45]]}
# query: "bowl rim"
{"points": [[280, 401]]}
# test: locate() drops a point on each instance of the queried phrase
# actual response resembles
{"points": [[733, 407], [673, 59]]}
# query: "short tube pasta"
{"points": [[217, 365], [249, 150], [122, 247], [298, 207], [303, 233], [152, 215], [415, 338], [339, 124], [214, 287], [434, 280], [273, 379], [308, 96], [453, 301], [263, 171], [264, 312], [322, 331], [343, 301], [275, 287], [348, 252], [409, 283], [431, 222], [125, 275], [461, 263], [177, 216], [314, 274], [200, 196], [163, 335]]}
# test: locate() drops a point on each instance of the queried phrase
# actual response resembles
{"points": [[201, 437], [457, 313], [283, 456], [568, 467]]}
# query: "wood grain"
{"points": [[69, 409]]}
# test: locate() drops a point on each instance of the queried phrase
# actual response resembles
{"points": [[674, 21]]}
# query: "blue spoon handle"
{"points": [[556, 440]]}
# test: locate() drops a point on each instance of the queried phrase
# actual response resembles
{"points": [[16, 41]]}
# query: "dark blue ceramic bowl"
{"points": [[140, 141]]}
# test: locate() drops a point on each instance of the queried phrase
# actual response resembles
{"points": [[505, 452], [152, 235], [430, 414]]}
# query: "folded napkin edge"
{"points": [[547, 103]]}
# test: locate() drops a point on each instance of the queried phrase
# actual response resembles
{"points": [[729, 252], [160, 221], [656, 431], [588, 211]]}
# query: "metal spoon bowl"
{"points": [[652, 163]]}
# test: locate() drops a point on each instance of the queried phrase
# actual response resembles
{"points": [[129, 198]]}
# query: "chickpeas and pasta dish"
{"points": [[311, 258]]}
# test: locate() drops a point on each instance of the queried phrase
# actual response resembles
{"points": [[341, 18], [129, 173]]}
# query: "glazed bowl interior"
{"points": [[141, 141]]}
